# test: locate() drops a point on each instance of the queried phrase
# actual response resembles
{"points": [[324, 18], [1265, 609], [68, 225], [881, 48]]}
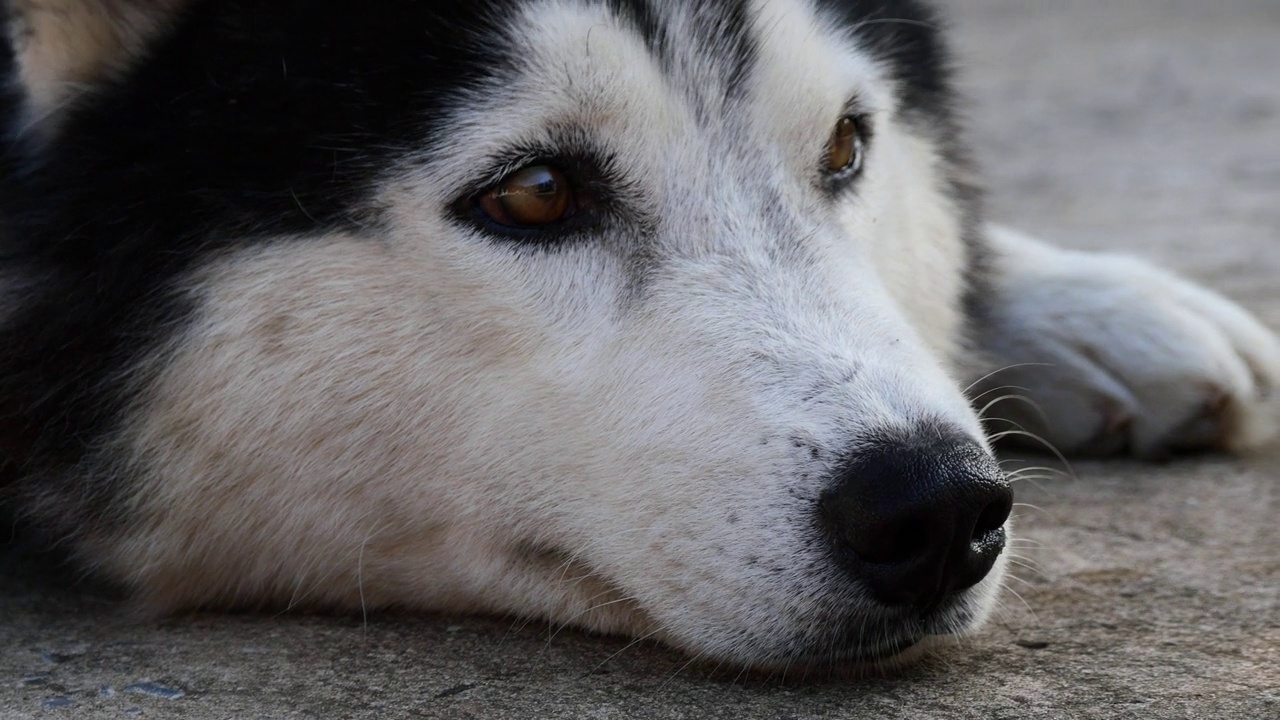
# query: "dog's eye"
{"points": [[844, 149], [530, 197]]}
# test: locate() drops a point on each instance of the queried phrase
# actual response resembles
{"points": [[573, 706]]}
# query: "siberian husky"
{"points": [[669, 319]]}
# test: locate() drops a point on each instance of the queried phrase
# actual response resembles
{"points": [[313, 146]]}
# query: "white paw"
{"points": [[1121, 356]]}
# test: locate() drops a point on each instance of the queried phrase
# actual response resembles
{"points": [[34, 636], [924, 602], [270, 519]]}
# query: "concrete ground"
{"points": [[1148, 591]]}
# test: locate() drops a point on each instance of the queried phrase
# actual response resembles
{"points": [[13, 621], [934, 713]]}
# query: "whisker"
{"points": [[1038, 509], [585, 611], [1006, 368], [1032, 481], [998, 388], [364, 608], [1025, 603], [638, 639], [982, 414], [1024, 561], [901, 21], [1048, 472], [1061, 458], [1023, 580]]}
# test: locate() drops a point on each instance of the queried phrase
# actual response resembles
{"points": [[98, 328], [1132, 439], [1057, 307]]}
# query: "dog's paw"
{"points": [[1117, 355]]}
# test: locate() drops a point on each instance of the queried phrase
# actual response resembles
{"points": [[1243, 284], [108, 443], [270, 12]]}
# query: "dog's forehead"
{"points": [[713, 56], [648, 79]]}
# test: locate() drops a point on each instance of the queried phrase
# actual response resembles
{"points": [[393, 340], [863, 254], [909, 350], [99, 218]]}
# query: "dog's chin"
{"points": [[885, 654], [889, 648], [837, 639], [890, 657], [884, 658], [854, 647]]}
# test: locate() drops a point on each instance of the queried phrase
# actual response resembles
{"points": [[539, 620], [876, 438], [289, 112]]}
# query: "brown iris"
{"points": [[844, 149], [530, 197]]}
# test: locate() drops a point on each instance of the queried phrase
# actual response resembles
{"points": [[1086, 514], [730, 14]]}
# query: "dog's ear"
{"points": [[61, 48]]}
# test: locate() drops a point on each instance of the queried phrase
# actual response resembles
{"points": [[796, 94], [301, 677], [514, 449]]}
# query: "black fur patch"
{"points": [[247, 119]]}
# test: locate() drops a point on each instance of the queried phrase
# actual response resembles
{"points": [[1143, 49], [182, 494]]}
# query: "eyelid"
{"points": [[498, 169], [863, 111]]}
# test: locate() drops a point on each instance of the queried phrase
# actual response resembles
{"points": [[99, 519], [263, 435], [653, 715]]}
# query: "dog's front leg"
{"points": [[1120, 356]]}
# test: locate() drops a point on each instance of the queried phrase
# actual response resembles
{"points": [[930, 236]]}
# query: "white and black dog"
{"points": [[660, 318]]}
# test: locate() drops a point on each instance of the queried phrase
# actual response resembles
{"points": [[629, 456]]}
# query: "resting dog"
{"points": [[668, 319]]}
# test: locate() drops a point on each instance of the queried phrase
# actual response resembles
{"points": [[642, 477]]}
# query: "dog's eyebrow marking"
{"points": [[727, 25], [731, 30], [644, 20]]}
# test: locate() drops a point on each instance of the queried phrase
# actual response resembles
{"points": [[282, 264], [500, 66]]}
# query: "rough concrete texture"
{"points": [[1147, 591]]}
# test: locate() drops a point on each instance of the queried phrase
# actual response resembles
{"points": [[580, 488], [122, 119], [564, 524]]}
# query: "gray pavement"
{"points": [[1148, 591]]}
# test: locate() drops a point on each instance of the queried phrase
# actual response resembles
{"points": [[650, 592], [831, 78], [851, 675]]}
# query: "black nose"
{"points": [[918, 520]]}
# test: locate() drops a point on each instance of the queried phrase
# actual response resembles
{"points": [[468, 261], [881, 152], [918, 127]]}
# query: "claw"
{"points": [[1207, 429], [1113, 435]]}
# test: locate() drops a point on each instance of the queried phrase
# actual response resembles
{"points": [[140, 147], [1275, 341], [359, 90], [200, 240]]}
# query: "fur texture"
{"points": [[260, 348]]}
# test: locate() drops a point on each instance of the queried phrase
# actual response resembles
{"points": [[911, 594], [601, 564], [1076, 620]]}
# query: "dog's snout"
{"points": [[917, 521]]}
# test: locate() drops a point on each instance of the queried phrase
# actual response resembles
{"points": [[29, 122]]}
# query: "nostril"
{"points": [[986, 542], [992, 518]]}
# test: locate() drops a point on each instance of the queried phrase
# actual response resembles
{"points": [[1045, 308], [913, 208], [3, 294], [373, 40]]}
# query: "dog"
{"points": [[665, 319]]}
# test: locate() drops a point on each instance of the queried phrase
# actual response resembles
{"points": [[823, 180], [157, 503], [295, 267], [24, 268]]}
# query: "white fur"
{"points": [[426, 417], [1120, 354]]}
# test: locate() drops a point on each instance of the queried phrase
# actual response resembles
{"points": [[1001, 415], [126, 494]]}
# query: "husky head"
{"points": [[635, 315]]}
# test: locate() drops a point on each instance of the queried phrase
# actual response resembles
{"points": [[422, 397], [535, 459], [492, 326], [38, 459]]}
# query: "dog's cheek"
{"points": [[316, 418]]}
